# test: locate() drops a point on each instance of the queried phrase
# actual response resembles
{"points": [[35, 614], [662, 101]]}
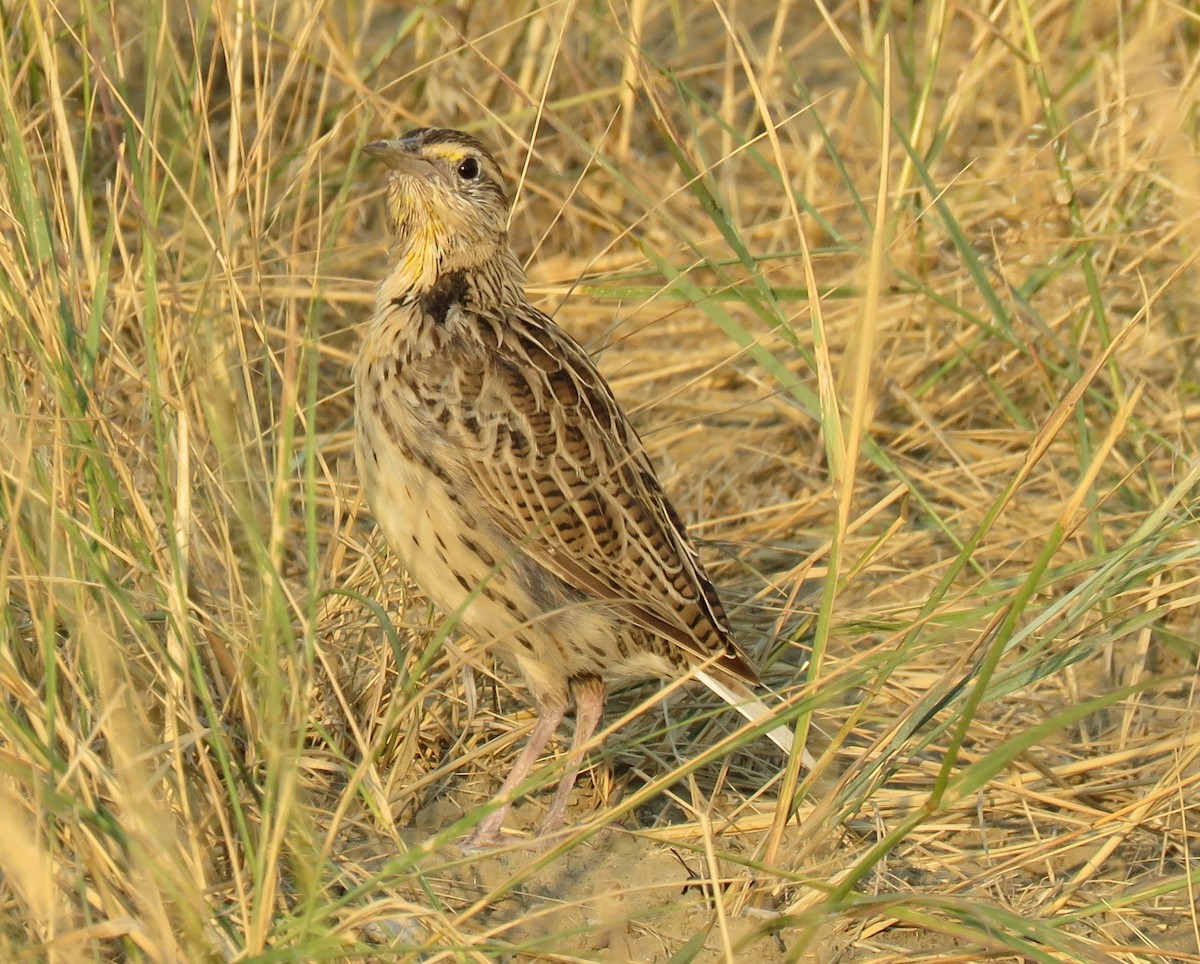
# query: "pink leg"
{"points": [[589, 707], [487, 833]]}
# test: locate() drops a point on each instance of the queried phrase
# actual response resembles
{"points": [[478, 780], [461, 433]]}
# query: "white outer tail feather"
{"points": [[754, 709]]}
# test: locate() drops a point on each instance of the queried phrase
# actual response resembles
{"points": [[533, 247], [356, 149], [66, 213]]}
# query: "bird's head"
{"points": [[446, 204]]}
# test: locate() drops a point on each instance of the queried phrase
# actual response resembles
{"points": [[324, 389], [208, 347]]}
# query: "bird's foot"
{"points": [[489, 835], [477, 844]]}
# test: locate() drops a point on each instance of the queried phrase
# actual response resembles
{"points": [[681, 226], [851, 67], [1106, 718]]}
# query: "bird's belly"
{"points": [[477, 576], [440, 540]]}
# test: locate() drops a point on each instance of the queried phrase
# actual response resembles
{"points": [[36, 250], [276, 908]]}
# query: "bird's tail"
{"points": [[738, 695]]}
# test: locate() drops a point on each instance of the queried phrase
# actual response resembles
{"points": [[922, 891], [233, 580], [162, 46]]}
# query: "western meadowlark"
{"points": [[505, 476]]}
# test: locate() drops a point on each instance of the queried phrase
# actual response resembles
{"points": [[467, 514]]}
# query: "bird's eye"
{"points": [[468, 170]]}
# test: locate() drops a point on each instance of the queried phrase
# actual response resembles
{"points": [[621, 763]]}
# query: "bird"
{"points": [[508, 481]]}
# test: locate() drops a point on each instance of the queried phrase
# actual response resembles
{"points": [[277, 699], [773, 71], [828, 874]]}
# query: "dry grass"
{"points": [[904, 300]]}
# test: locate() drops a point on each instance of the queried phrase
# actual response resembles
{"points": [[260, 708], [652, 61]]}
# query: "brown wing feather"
{"points": [[575, 488]]}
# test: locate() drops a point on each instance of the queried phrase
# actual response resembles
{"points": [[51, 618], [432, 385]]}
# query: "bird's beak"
{"points": [[393, 154]]}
